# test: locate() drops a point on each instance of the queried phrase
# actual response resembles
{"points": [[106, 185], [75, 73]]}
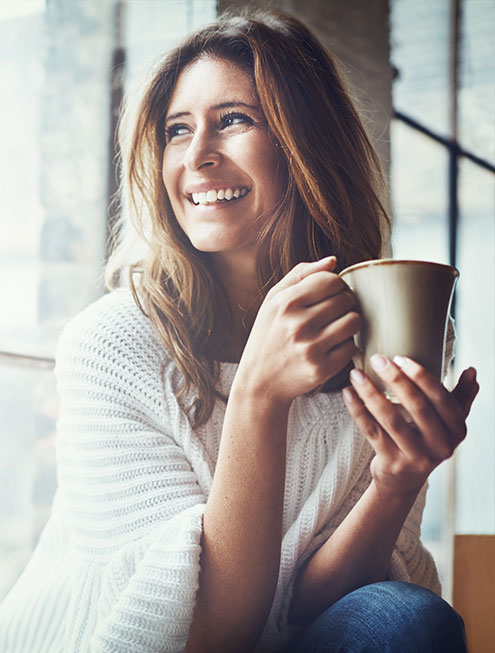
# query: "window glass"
{"points": [[475, 463], [21, 212], [55, 163], [475, 501], [420, 53], [152, 28], [477, 78], [420, 166], [28, 409], [419, 175]]}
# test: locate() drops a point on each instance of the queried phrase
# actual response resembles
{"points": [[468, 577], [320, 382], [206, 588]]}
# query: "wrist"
{"points": [[396, 495], [257, 419], [249, 390]]}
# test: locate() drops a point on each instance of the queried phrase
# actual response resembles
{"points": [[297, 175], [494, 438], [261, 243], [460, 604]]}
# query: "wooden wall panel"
{"points": [[474, 589]]}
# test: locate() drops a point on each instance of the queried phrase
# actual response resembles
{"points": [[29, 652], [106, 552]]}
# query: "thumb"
{"points": [[328, 263], [303, 270], [466, 390]]}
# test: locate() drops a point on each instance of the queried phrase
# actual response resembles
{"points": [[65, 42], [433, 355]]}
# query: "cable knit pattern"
{"points": [[117, 567]]}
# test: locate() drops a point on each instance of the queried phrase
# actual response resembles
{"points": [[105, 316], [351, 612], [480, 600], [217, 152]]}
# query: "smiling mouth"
{"points": [[218, 196]]}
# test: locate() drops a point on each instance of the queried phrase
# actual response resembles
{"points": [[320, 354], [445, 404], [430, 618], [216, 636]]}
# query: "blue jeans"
{"points": [[388, 617]]}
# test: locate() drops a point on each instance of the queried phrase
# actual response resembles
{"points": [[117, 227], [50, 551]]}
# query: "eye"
{"points": [[175, 130], [234, 118]]}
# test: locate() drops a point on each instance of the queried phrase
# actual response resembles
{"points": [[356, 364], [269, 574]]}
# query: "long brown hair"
{"points": [[331, 205]]}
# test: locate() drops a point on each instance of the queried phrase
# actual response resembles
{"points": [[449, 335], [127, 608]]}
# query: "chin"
{"points": [[209, 248], [215, 243]]}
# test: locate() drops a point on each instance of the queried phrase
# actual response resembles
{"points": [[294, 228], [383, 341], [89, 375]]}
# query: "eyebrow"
{"points": [[222, 105]]}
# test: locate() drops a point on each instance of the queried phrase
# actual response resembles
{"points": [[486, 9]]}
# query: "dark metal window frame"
{"points": [[19, 359]]}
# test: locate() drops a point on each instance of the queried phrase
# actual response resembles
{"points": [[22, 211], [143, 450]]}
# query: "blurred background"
{"points": [[423, 74]]}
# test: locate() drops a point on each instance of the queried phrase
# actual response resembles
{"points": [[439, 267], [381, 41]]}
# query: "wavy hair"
{"points": [[332, 201]]}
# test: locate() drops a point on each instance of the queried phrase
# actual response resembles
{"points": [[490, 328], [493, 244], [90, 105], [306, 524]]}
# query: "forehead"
{"points": [[208, 81]]}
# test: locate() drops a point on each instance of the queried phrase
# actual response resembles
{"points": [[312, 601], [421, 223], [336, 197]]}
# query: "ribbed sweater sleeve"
{"points": [[134, 503]]}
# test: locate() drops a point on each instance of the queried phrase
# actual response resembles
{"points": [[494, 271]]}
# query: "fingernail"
{"points": [[378, 362], [401, 361], [472, 373], [348, 396], [357, 376]]}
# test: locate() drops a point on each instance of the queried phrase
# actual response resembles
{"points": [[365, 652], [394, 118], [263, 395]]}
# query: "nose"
{"points": [[202, 151]]}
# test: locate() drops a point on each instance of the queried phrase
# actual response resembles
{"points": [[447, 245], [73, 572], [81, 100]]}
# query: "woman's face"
{"points": [[220, 166]]}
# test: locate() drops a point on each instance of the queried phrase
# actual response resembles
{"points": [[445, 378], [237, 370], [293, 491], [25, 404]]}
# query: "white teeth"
{"points": [[212, 196]]}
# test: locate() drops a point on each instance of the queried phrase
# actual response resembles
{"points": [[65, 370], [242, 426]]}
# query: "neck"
{"points": [[238, 275]]}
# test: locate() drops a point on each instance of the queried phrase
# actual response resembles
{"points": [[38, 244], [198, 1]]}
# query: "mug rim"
{"points": [[394, 261]]}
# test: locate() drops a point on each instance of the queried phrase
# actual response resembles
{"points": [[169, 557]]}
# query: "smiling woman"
{"points": [[219, 487], [324, 185]]}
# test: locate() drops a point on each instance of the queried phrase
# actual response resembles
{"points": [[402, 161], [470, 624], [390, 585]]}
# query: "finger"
{"points": [[466, 390], [337, 358], [426, 399], [319, 286], [303, 270], [381, 443], [387, 415], [338, 331], [322, 314]]}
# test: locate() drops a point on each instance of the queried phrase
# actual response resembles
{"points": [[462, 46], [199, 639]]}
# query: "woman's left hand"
{"points": [[407, 453]]}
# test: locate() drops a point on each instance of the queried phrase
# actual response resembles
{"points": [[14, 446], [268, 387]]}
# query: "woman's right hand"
{"points": [[302, 335]]}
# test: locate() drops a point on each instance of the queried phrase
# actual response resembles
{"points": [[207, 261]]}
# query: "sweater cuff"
{"points": [[149, 590]]}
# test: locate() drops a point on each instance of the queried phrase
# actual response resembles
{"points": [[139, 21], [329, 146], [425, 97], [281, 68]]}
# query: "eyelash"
{"points": [[232, 115], [172, 130]]}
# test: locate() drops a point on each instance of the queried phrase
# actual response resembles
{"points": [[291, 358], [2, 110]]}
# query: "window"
{"points": [[64, 66], [443, 184]]}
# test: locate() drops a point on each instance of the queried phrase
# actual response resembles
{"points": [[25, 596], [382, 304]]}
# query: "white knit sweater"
{"points": [[117, 566]]}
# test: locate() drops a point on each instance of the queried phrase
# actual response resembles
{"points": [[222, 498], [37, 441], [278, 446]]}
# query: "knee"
{"points": [[415, 601], [387, 617], [408, 612]]}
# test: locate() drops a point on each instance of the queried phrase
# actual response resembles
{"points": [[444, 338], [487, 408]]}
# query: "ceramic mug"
{"points": [[405, 308]]}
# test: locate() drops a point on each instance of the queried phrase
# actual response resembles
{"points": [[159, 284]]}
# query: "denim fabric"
{"points": [[388, 617]]}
